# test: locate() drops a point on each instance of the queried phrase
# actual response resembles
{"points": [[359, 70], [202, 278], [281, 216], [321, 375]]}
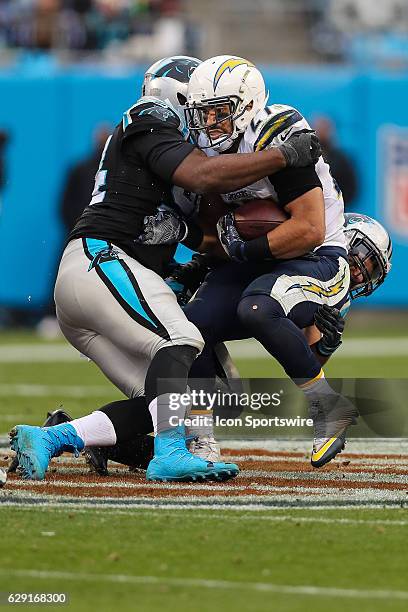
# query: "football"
{"points": [[258, 217]]}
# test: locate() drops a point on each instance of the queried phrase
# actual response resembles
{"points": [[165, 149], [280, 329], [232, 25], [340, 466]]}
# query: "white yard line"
{"points": [[254, 516], [148, 505], [281, 498], [390, 447], [25, 353], [180, 490], [244, 349], [353, 347], [35, 390], [263, 587]]}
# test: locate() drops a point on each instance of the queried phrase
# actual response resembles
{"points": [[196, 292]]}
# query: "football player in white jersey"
{"points": [[370, 253], [283, 277], [112, 302]]}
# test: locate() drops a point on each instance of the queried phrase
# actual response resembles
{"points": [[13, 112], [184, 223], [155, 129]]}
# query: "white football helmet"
{"points": [[167, 79], [369, 250], [230, 90]]}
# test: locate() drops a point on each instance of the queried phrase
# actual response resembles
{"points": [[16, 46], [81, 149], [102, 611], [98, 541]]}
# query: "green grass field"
{"points": [[243, 553], [80, 387], [160, 559]]}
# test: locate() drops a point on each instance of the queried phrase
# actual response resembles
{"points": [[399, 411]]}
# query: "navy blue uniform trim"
{"points": [[111, 269]]}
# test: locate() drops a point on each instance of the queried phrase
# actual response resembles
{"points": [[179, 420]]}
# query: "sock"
{"points": [[202, 423], [130, 418], [317, 387], [95, 429], [168, 411]]}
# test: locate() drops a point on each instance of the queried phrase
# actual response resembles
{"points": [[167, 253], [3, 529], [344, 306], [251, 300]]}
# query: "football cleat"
{"points": [[332, 415], [173, 462], [56, 418], [205, 447], [136, 454], [53, 418], [96, 458], [36, 446]]}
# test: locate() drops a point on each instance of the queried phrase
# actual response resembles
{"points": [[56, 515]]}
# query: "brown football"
{"points": [[258, 217]]}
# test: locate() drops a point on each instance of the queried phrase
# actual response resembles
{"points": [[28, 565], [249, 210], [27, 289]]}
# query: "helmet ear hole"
{"points": [[182, 99]]}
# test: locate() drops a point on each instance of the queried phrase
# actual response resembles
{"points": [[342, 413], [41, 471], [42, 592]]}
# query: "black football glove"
{"points": [[186, 278], [238, 249], [330, 323], [165, 227], [231, 241], [301, 149]]}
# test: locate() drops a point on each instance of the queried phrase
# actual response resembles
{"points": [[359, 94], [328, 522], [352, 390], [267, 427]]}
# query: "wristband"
{"points": [[257, 249], [193, 237]]}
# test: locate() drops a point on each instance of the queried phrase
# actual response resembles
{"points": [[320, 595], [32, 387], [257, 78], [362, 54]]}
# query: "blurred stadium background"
{"points": [[69, 68]]}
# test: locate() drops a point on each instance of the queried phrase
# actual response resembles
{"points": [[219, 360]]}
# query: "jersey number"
{"points": [[99, 192]]}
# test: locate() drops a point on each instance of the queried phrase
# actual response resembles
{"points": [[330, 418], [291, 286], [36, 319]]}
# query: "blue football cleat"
{"points": [[173, 462], [36, 446]]}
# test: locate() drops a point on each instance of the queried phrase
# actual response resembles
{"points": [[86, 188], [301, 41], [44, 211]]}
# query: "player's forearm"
{"points": [[237, 171], [294, 238], [304, 231], [322, 359], [229, 172]]}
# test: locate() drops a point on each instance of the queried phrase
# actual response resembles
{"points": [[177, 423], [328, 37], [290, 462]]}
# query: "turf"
{"points": [[230, 546], [65, 384], [32, 409], [238, 547], [75, 376]]}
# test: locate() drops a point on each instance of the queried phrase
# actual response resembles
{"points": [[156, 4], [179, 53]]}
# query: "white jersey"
{"points": [[271, 127]]}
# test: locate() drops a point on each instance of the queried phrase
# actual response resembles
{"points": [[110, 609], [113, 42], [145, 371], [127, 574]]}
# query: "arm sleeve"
{"points": [[162, 150], [291, 183]]}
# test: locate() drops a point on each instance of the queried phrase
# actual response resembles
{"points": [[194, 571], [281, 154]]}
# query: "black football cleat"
{"points": [[56, 418], [96, 458], [136, 453]]}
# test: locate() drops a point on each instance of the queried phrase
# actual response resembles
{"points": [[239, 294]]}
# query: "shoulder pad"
{"points": [[274, 124], [149, 113]]}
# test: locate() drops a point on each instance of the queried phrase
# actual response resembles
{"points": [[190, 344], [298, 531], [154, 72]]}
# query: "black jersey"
{"points": [[134, 178]]}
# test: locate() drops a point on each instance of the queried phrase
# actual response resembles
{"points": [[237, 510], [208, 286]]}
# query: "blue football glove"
{"points": [[231, 241]]}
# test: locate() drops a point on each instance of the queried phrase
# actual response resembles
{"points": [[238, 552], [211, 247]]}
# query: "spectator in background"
{"points": [[341, 165], [76, 194], [89, 25], [46, 19], [80, 181]]}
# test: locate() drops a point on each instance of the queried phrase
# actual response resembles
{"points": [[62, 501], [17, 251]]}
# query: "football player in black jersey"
{"points": [[112, 302]]}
